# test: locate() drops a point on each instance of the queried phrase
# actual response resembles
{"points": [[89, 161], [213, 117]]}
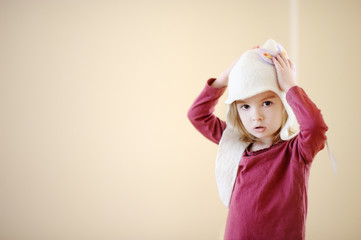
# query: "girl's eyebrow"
{"points": [[269, 97]]}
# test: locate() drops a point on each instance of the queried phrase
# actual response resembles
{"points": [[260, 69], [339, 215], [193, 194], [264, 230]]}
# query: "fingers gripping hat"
{"points": [[254, 73]]}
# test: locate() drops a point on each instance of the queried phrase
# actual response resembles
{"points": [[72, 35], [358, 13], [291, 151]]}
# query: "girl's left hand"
{"points": [[286, 72]]}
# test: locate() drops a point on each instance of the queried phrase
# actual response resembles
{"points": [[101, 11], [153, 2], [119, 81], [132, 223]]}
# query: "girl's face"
{"points": [[261, 115]]}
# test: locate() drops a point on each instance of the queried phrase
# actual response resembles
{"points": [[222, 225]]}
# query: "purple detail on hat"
{"points": [[267, 55], [281, 49]]}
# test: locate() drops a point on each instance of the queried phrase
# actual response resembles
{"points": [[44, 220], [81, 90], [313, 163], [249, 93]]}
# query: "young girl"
{"points": [[262, 166]]}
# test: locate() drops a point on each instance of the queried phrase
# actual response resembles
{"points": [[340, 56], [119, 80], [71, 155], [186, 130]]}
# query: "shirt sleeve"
{"points": [[201, 113], [312, 136]]}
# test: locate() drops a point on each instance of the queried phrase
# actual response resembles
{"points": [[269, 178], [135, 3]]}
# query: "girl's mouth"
{"points": [[260, 129]]}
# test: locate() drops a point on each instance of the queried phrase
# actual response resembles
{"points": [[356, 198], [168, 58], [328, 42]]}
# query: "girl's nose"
{"points": [[257, 116]]}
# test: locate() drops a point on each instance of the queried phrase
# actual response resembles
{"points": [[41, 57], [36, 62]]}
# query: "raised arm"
{"points": [[201, 112], [312, 136]]}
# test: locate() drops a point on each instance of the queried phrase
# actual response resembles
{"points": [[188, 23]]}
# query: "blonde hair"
{"points": [[245, 136]]}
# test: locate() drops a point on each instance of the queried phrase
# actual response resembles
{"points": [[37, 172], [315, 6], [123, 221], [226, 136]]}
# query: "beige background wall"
{"points": [[94, 139]]}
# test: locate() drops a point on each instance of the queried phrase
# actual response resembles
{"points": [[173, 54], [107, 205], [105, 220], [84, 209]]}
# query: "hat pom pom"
{"points": [[270, 49]]}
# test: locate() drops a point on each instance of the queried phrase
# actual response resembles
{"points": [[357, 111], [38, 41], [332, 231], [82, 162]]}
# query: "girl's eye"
{"points": [[267, 103], [245, 107]]}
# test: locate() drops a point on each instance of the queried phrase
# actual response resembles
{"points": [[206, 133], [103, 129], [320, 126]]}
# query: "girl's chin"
{"points": [[264, 139]]}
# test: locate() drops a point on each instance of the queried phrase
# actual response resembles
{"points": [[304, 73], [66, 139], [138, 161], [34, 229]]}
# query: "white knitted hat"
{"points": [[254, 73]]}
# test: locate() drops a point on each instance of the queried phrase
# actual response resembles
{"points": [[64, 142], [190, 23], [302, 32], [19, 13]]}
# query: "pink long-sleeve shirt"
{"points": [[269, 199]]}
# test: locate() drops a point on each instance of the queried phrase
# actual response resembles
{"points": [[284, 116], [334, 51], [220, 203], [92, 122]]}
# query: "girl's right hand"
{"points": [[222, 80]]}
